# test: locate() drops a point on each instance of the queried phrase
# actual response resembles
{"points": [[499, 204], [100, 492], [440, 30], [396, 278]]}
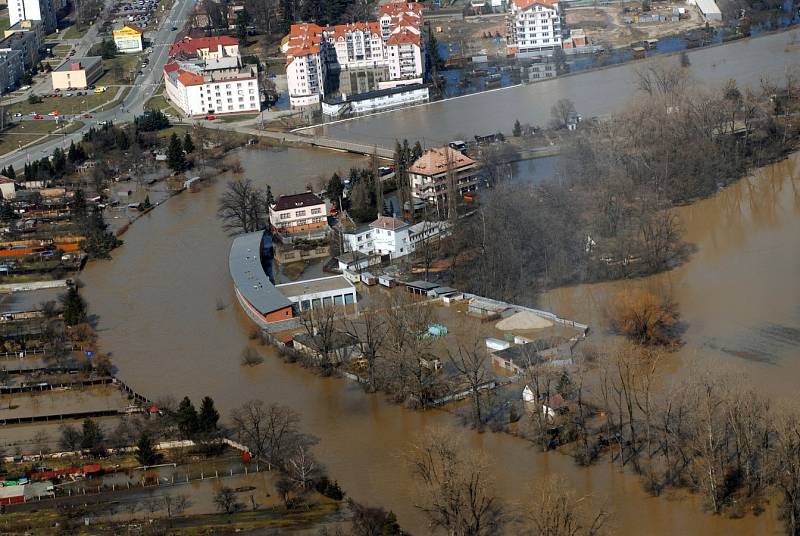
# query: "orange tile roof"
{"points": [[404, 37], [525, 4], [191, 46], [187, 78], [434, 161], [395, 8], [340, 30], [387, 222], [171, 67]]}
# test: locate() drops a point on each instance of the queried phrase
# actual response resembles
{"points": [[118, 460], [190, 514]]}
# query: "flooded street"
{"points": [[594, 93], [157, 299], [739, 293]]}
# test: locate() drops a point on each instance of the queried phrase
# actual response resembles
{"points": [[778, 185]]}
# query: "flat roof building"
{"points": [[321, 292], [78, 72]]}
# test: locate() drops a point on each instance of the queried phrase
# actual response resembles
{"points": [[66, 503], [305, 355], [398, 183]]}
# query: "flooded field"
{"points": [[738, 294], [159, 321]]}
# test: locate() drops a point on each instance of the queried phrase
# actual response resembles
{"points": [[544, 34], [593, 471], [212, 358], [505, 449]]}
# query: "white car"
{"points": [[52, 114], [17, 114]]}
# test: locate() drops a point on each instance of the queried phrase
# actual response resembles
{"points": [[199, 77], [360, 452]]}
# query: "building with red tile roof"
{"points": [[205, 47], [434, 173]]}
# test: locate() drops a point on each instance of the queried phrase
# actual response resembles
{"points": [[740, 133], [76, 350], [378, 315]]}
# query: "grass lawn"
{"points": [[64, 105], [4, 22], [61, 50], [160, 102], [73, 32], [118, 69], [28, 131], [111, 105]]}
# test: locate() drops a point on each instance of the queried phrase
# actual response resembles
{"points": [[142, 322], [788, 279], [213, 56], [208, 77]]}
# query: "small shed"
{"points": [[351, 276], [12, 494], [387, 281], [495, 345], [369, 279], [438, 292], [420, 288]]}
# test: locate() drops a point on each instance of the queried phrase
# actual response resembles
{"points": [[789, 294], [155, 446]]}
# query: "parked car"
{"points": [[69, 94], [17, 114], [24, 88], [174, 28], [210, 117], [87, 116], [37, 117], [52, 114]]}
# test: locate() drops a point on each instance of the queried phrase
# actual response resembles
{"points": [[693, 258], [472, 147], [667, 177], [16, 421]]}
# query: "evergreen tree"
{"points": [[565, 387], [59, 161], [10, 173], [335, 189], [74, 307], [146, 454], [175, 158], [147, 203], [416, 152], [6, 212], [208, 418], [186, 418], [79, 212], [121, 139], [517, 132], [188, 144], [268, 197], [92, 436]]}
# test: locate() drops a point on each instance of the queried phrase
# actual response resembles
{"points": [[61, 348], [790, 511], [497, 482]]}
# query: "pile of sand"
{"points": [[522, 321]]}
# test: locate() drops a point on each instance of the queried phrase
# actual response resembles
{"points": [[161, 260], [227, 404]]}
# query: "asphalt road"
{"points": [[132, 105]]}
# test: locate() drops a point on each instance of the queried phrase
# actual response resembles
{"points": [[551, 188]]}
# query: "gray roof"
{"points": [[249, 276], [86, 63], [422, 285], [311, 286]]}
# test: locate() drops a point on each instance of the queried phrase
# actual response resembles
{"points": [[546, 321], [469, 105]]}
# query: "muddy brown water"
{"points": [[157, 298]]}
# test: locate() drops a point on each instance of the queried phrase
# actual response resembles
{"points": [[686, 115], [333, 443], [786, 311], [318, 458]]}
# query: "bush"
{"points": [[250, 357], [329, 489]]}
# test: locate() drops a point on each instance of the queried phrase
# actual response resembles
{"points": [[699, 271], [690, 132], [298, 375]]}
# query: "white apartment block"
{"points": [[42, 10], [197, 92], [393, 42], [534, 27]]}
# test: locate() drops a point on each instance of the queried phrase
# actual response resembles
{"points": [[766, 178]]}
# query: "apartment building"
{"points": [[199, 89], [394, 43], [433, 174], [42, 10], [12, 67], [392, 237], [305, 65], [534, 27], [27, 43], [298, 213], [77, 73]]}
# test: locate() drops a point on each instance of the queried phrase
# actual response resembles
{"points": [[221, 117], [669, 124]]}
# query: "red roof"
{"points": [[525, 4], [404, 37], [387, 222], [171, 67], [187, 78], [395, 8], [340, 30], [190, 46], [91, 468]]}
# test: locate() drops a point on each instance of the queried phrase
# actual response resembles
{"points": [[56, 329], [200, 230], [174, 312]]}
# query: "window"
{"points": [[316, 211], [299, 213], [285, 215]]}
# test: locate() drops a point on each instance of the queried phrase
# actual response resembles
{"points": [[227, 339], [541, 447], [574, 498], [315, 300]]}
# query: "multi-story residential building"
{"points": [[305, 65], [43, 10], [205, 48], [25, 26], [201, 89], [26, 42], [356, 45], [391, 237], [207, 76], [393, 43], [12, 67], [405, 57], [533, 27], [128, 38], [298, 213], [434, 173]]}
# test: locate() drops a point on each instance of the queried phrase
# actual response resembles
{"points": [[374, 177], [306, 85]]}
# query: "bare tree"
{"points": [[302, 468], [561, 112], [553, 510], [243, 208], [269, 431], [369, 329], [456, 491], [472, 363], [226, 501]]}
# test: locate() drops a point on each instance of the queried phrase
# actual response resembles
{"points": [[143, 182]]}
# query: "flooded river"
{"points": [[594, 93], [158, 318]]}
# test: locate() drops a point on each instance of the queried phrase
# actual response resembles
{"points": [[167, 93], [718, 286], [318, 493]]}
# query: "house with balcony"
{"points": [[438, 170], [534, 27], [299, 214], [390, 238]]}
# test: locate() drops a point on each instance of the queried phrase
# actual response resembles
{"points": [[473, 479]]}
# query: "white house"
{"points": [[298, 213], [392, 237], [533, 27], [205, 48]]}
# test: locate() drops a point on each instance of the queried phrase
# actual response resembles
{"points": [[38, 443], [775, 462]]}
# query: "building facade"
{"points": [[434, 173], [27, 43], [43, 10], [129, 38], [372, 101], [394, 42], [11, 69], [298, 213], [392, 237], [205, 48], [77, 73], [533, 27]]}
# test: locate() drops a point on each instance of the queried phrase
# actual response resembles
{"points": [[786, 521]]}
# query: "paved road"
{"points": [[132, 105]]}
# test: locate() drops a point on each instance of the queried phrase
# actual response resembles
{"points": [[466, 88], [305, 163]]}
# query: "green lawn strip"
{"points": [[73, 32], [21, 134], [74, 105], [236, 118], [120, 70]]}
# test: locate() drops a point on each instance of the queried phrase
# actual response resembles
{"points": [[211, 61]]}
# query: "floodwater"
{"points": [[157, 304], [739, 294], [595, 93]]}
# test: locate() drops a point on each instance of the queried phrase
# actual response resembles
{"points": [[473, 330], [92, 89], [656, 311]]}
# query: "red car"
{"points": [[211, 117], [37, 117], [87, 116]]}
